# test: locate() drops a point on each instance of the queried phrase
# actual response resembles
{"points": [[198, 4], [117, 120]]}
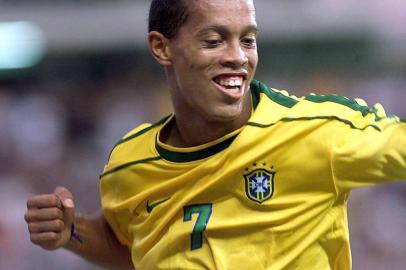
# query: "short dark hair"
{"points": [[167, 16]]}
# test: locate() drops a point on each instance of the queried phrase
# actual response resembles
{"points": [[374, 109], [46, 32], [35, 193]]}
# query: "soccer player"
{"points": [[241, 176]]}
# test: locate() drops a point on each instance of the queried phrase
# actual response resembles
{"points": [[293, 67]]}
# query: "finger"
{"points": [[46, 226], [69, 212], [63, 193], [43, 214], [68, 205], [44, 201], [46, 238]]}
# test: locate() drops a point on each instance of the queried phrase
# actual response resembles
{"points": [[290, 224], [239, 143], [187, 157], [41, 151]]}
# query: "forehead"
{"points": [[218, 4], [221, 12]]}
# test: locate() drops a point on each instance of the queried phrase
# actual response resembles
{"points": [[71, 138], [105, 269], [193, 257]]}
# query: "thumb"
{"points": [[68, 205]]}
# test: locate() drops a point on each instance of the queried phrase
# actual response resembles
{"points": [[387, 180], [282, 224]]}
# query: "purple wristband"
{"points": [[74, 235]]}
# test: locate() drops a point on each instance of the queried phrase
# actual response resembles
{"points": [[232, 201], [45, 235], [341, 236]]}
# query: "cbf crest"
{"points": [[259, 185]]}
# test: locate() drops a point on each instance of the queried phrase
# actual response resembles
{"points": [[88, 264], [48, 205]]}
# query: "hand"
{"points": [[50, 218]]}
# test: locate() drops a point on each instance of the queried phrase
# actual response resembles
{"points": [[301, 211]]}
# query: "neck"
{"points": [[184, 132]]}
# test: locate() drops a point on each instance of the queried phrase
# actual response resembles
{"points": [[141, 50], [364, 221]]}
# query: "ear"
{"points": [[159, 47]]}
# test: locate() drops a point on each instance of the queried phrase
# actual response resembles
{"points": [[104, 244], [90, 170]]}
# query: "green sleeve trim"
{"points": [[139, 133], [350, 103], [277, 97], [145, 130], [314, 118], [129, 164], [182, 157]]}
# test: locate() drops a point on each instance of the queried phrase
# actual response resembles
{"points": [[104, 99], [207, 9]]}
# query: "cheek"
{"points": [[253, 58], [203, 60], [193, 65], [198, 63], [189, 63]]}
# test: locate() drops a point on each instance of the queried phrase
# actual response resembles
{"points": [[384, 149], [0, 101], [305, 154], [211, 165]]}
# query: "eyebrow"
{"points": [[224, 30]]}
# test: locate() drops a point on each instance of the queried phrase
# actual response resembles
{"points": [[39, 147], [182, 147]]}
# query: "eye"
{"points": [[249, 41], [213, 43]]}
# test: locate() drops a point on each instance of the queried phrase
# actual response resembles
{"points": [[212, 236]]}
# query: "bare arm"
{"points": [[50, 218]]}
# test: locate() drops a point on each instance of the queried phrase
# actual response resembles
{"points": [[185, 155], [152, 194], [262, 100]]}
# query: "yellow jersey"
{"points": [[271, 195]]}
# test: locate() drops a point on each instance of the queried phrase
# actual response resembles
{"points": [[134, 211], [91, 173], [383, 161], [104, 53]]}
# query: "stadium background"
{"points": [[75, 75]]}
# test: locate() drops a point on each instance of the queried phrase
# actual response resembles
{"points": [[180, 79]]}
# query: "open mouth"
{"points": [[232, 84]]}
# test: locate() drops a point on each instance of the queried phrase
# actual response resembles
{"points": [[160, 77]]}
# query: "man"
{"points": [[241, 176]]}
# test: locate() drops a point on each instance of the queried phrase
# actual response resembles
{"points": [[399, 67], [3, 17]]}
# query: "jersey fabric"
{"points": [[271, 195]]}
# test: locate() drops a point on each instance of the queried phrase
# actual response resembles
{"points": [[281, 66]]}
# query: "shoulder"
{"points": [[138, 139], [262, 92], [354, 113], [140, 130]]}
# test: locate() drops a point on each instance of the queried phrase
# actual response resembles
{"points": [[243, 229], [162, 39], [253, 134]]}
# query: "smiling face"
{"points": [[212, 61]]}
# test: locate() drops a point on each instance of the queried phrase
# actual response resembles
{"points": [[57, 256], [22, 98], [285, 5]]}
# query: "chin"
{"points": [[227, 115]]}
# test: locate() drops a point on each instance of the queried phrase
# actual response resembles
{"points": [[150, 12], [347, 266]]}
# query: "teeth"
{"points": [[231, 83]]}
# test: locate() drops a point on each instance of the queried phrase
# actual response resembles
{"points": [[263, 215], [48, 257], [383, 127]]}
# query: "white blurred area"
{"points": [[95, 81]]}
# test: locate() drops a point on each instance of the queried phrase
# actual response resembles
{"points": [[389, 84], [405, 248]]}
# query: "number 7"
{"points": [[204, 212]]}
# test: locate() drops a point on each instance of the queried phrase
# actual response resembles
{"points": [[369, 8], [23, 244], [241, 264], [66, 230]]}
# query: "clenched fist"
{"points": [[50, 218]]}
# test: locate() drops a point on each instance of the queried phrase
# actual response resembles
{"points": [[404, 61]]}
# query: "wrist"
{"points": [[74, 236]]}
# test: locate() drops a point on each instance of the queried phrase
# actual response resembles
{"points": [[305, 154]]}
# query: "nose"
{"points": [[234, 56]]}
